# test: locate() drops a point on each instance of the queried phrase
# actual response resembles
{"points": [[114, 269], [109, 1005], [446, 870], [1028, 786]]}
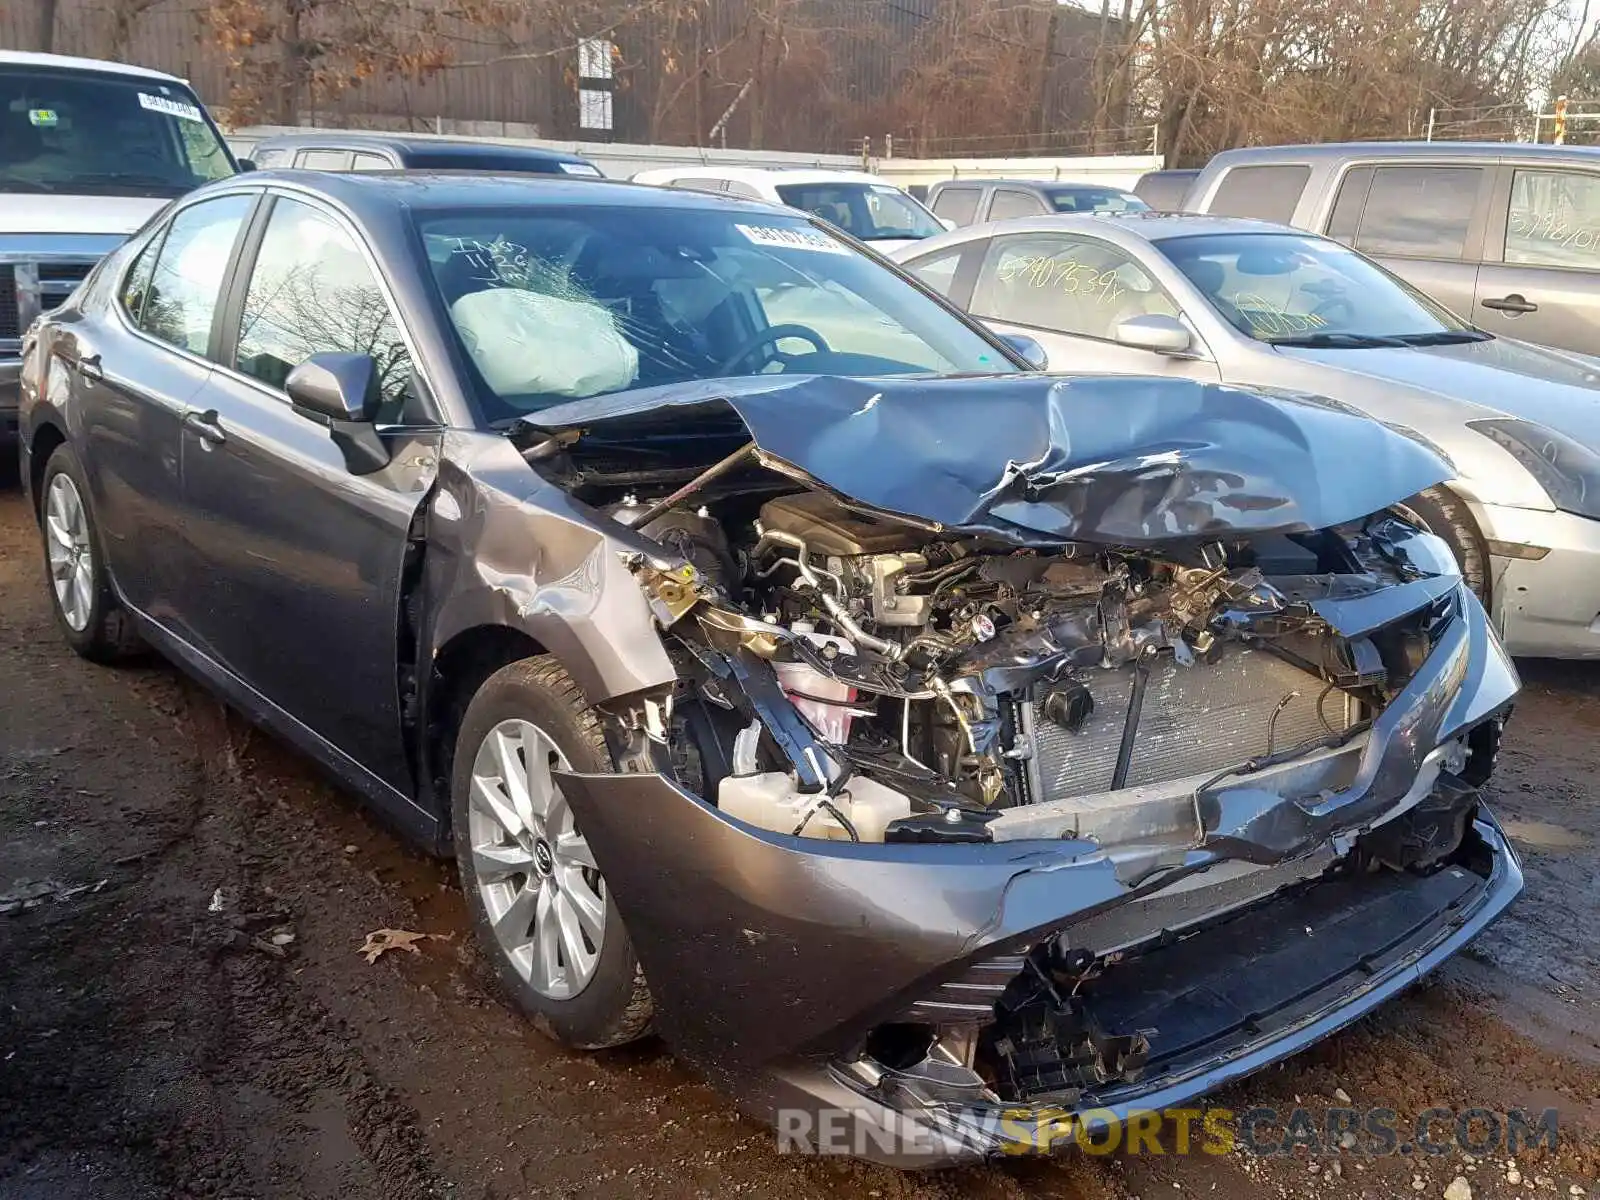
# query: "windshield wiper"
{"points": [[12, 183], [1445, 337], [119, 179], [1337, 341]]}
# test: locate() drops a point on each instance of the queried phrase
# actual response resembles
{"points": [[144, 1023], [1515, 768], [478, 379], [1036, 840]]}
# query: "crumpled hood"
{"points": [[1499, 377], [1037, 459]]}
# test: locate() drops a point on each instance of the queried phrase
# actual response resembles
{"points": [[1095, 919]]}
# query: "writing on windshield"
{"points": [[1271, 286]]}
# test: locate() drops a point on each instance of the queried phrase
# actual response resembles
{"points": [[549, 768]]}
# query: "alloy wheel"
{"points": [[69, 551], [534, 872]]}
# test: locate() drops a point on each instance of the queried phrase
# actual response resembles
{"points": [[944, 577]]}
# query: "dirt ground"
{"points": [[156, 855]]}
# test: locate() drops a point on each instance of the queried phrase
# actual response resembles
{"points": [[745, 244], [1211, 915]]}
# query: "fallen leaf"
{"points": [[381, 940]]}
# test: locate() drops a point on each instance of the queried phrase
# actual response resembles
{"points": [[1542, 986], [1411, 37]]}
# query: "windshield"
{"points": [[1096, 200], [551, 304], [869, 212], [1285, 288], [86, 133]]}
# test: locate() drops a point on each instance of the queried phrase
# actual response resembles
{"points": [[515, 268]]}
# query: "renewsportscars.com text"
{"points": [[1263, 1131]]}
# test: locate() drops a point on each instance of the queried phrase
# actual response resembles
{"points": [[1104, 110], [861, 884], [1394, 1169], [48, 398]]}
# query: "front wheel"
{"points": [[539, 904], [1446, 515]]}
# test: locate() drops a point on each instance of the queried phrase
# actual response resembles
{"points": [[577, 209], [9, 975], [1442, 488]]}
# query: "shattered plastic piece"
{"points": [[381, 940], [218, 902], [32, 895]]}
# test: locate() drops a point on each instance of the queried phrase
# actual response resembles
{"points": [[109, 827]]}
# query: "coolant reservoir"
{"points": [[822, 700], [769, 801]]}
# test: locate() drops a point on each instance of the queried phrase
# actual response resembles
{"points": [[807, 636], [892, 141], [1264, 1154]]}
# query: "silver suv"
{"points": [[1506, 234]]}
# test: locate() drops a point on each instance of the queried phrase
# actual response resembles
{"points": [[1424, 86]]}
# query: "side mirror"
{"points": [[246, 164], [1154, 332], [1031, 351], [946, 222], [341, 392]]}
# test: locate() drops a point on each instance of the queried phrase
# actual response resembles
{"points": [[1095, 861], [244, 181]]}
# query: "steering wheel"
{"points": [[770, 336], [1332, 304]]}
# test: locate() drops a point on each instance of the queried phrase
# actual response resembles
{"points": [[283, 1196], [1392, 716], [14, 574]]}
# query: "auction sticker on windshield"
{"points": [[173, 108], [44, 118], [792, 239]]}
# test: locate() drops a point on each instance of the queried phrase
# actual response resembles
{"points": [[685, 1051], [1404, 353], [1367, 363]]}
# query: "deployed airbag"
{"points": [[526, 343]]}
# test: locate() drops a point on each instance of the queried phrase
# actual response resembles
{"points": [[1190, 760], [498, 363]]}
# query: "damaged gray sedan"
{"points": [[927, 749]]}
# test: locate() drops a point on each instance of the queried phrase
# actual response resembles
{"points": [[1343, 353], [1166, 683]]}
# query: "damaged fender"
{"points": [[506, 549]]}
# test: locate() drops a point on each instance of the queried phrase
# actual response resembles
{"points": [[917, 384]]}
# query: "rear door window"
{"points": [[136, 283], [958, 204], [1065, 284], [370, 162], [1554, 219], [324, 160], [1419, 212], [1265, 193], [1009, 203], [186, 281], [938, 270], [697, 184], [1345, 218]]}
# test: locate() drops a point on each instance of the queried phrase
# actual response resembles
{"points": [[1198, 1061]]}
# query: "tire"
{"points": [[530, 885], [1447, 516], [87, 611]]}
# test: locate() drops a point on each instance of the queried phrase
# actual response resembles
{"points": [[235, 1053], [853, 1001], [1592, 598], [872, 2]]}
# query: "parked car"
{"points": [[88, 151], [1503, 233], [868, 727], [974, 201], [334, 151], [1249, 303], [1164, 191], [862, 205]]}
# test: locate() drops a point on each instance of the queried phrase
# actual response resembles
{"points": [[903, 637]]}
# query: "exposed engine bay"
{"points": [[934, 682], [1206, 711]]}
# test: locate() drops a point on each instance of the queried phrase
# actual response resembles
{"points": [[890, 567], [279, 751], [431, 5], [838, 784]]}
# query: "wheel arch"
{"points": [[46, 437], [457, 670]]}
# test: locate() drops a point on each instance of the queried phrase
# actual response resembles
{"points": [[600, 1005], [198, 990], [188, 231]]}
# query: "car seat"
{"points": [[1209, 276], [465, 272]]}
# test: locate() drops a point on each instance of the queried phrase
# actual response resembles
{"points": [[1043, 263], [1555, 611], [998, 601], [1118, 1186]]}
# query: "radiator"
{"points": [[1195, 720]]}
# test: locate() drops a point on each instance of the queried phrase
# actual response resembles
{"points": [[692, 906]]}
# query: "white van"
{"points": [[862, 205]]}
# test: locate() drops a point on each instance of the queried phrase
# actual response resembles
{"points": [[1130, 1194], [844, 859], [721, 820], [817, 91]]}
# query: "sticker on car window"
{"points": [[781, 238], [172, 108], [43, 118]]}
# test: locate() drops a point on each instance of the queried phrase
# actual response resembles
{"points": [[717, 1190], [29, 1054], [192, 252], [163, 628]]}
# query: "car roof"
{"points": [[363, 192], [1338, 150], [443, 148], [67, 62], [772, 175], [1116, 227], [1048, 185]]}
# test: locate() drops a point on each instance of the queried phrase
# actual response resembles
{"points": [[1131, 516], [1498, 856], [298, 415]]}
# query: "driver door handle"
{"points": [[205, 425], [89, 367], [1510, 304]]}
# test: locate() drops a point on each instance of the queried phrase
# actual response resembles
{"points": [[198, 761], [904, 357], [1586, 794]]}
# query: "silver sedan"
{"points": [[1259, 305]]}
